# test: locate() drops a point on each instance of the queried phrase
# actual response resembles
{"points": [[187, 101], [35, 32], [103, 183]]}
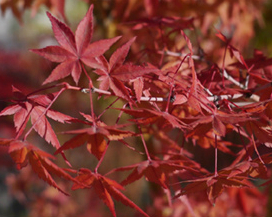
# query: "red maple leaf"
{"points": [[232, 176], [156, 171], [35, 107], [115, 72], [23, 152], [94, 136], [105, 188], [74, 49], [146, 116], [214, 185], [218, 121], [233, 50]]}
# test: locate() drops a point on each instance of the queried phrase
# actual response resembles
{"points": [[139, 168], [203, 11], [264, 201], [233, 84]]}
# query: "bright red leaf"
{"points": [[73, 49], [35, 107], [233, 50], [115, 72]]}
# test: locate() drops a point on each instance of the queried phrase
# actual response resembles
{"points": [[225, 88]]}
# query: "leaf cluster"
{"points": [[169, 97]]}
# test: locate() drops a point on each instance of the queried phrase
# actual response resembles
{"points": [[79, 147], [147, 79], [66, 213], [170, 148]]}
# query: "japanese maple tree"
{"points": [[172, 87]]}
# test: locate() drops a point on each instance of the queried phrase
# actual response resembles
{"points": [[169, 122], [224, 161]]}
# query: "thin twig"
{"points": [[176, 54], [230, 78], [215, 156], [211, 98]]}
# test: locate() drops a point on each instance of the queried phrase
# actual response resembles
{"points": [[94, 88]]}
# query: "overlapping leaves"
{"points": [[115, 72]]}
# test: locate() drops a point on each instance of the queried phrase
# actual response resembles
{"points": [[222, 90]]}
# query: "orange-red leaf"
{"points": [[96, 145], [24, 152], [105, 188]]}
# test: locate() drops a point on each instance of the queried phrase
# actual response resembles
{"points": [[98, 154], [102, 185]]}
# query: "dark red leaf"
{"points": [[105, 188], [154, 171], [94, 137]]}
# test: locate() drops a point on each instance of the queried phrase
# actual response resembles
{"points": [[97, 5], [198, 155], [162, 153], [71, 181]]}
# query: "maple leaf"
{"points": [[218, 121], [94, 137], [232, 176], [207, 140], [214, 185], [260, 73], [138, 85], [261, 133], [253, 168], [147, 116], [154, 170], [35, 107], [5, 142], [23, 152], [233, 50], [105, 188], [115, 72], [73, 49]]}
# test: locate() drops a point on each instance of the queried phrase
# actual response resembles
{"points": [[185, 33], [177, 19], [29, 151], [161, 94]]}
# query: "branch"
{"points": [[176, 54], [213, 98], [230, 78]]}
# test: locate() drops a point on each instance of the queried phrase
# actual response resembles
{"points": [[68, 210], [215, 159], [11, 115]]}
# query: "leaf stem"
{"points": [[46, 88], [91, 103], [223, 66], [101, 159], [239, 132], [177, 54], [108, 107], [85, 72], [144, 144], [215, 156], [103, 155], [254, 145], [169, 99]]}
